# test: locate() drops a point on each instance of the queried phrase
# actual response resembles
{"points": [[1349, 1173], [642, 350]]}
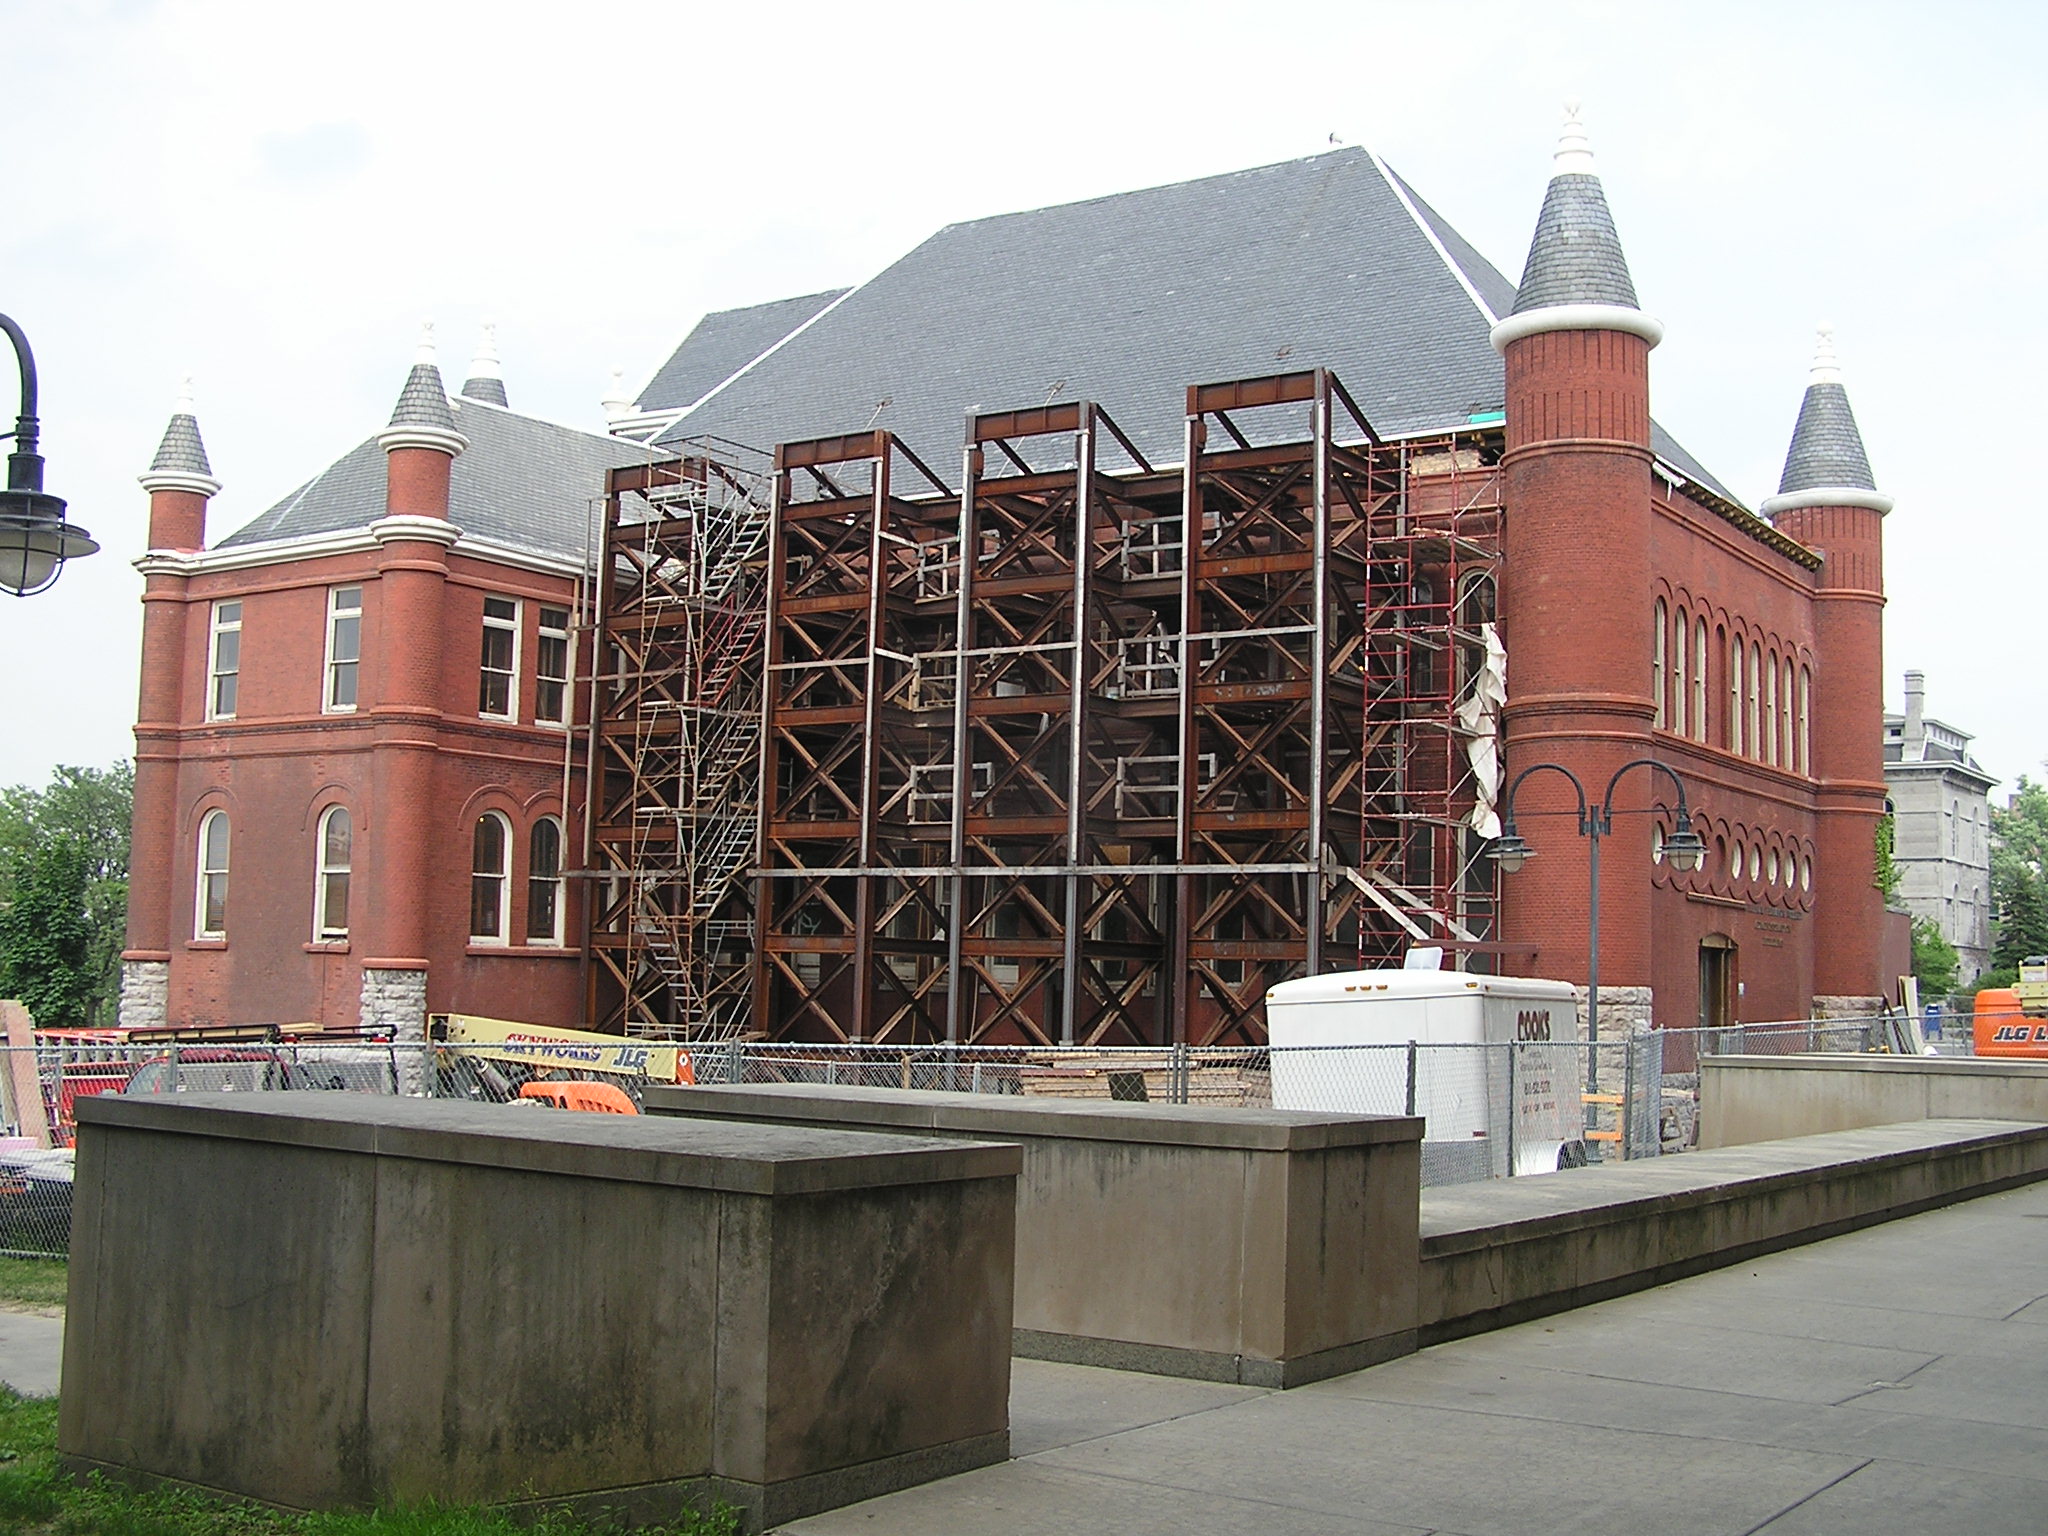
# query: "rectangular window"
{"points": [[551, 668], [344, 648], [498, 691], [224, 661]]}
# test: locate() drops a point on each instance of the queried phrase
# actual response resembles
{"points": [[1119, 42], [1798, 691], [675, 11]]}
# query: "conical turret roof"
{"points": [[181, 462], [1826, 464], [421, 419], [486, 381]]}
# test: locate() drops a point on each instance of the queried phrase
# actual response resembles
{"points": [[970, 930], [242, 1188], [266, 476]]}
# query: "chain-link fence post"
{"points": [[1411, 1077], [1512, 1116]]}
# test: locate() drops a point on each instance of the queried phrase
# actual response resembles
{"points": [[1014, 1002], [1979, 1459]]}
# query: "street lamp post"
{"points": [[35, 541], [1683, 848]]}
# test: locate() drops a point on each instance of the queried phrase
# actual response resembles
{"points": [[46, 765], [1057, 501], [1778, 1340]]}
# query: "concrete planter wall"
{"points": [[1746, 1099], [1259, 1246], [321, 1300]]}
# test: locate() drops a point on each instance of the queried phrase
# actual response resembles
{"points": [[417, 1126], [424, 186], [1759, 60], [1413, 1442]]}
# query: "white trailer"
{"points": [[1436, 1044]]}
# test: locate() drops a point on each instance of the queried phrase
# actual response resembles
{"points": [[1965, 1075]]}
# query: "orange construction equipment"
{"points": [[2001, 1028], [601, 1098]]}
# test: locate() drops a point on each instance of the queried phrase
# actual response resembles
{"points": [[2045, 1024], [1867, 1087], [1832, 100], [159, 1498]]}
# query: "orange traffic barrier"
{"points": [[2001, 1029], [602, 1098]]}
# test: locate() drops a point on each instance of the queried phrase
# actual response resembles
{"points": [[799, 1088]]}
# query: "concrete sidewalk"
{"points": [[1892, 1380], [31, 1351]]}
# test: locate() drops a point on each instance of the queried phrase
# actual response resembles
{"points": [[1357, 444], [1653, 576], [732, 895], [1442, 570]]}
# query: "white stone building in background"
{"points": [[1941, 808]]}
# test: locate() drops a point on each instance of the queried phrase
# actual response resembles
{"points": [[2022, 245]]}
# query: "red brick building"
{"points": [[353, 734], [1644, 612]]}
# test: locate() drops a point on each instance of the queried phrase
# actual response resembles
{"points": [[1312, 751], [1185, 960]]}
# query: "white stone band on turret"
{"points": [[1577, 317], [1827, 496], [410, 525], [172, 480], [450, 443]]}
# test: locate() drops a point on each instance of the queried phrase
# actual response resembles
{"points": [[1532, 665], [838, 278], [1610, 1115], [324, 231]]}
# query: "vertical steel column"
{"points": [[1077, 737], [960, 990]]}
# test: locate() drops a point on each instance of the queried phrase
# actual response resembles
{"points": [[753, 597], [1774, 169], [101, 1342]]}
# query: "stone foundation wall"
{"points": [[145, 994], [1847, 1007], [395, 1003]]}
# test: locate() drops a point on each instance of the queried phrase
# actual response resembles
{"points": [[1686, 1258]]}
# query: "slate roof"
{"points": [[1128, 299], [1827, 450], [181, 452], [424, 400], [1575, 255], [521, 482], [490, 390], [723, 343]]}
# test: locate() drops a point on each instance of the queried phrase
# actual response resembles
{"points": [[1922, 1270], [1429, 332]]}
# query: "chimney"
{"points": [[1916, 708]]}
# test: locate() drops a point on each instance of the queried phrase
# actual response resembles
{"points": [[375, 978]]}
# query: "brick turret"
{"points": [[180, 483], [401, 692], [1828, 501], [1575, 581]]}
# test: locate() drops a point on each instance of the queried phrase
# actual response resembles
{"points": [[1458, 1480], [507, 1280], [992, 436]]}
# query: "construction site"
{"points": [[1070, 748]]}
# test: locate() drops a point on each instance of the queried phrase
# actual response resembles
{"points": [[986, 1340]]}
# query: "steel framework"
{"points": [[1087, 752]]}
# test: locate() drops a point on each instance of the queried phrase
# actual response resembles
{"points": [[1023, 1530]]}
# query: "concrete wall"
{"points": [[1762, 1098], [1500, 1253], [1259, 1246], [322, 1300]]}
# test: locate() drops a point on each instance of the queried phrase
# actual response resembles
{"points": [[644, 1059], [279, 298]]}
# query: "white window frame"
{"points": [[325, 929], [1662, 625], [493, 623], [331, 661], [503, 876], [534, 881], [545, 632], [219, 624], [207, 872], [1699, 678], [1681, 695]]}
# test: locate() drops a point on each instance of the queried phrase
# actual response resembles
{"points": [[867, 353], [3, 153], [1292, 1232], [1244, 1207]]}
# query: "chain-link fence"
{"points": [[1490, 1111]]}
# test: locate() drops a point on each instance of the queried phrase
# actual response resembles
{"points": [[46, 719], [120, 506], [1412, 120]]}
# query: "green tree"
{"points": [[2019, 876], [64, 852], [1887, 868], [1935, 961]]}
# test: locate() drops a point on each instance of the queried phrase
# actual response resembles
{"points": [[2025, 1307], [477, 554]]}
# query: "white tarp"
{"points": [[1478, 719]]}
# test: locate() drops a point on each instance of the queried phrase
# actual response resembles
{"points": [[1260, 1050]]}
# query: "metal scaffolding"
{"points": [[1087, 752]]}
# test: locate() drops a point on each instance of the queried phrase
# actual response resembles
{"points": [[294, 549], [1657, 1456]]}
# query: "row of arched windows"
{"points": [[1760, 706], [1750, 863], [491, 878]]}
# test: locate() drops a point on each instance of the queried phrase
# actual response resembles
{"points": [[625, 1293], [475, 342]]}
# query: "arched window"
{"points": [[1789, 752], [1770, 753], [1699, 680], [210, 917], [335, 844], [544, 883], [1657, 660], [1736, 741], [1681, 637], [490, 880], [1754, 711]]}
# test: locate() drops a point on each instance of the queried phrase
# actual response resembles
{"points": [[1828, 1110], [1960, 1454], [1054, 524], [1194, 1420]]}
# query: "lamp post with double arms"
{"points": [[1683, 848], [35, 541]]}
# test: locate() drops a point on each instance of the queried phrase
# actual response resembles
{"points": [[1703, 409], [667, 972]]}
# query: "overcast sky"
{"points": [[271, 197]]}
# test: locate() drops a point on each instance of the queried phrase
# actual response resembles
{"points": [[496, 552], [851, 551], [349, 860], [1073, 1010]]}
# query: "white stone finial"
{"points": [[183, 407], [1574, 152], [426, 352], [617, 402], [1827, 369], [485, 364]]}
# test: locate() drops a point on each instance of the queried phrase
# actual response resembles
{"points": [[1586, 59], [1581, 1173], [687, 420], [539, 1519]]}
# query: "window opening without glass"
{"points": [[551, 668]]}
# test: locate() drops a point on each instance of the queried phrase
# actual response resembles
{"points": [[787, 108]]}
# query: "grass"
{"points": [[38, 1500], [37, 1283]]}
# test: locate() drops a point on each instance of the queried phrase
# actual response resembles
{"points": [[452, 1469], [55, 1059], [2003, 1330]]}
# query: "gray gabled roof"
{"points": [[181, 452], [723, 343], [1575, 255], [1127, 300], [1827, 450], [521, 482]]}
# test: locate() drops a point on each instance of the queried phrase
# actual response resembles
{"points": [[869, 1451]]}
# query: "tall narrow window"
{"points": [[551, 668], [1699, 680], [1735, 669], [1770, 743], [490, 882], [224, 661], [498, 691], [544, 883], [336, 839], [344, 647], [1806, 720], [1679, 695], [1756, 689], [1787, 710], [1657, 649], [210, 919]]}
